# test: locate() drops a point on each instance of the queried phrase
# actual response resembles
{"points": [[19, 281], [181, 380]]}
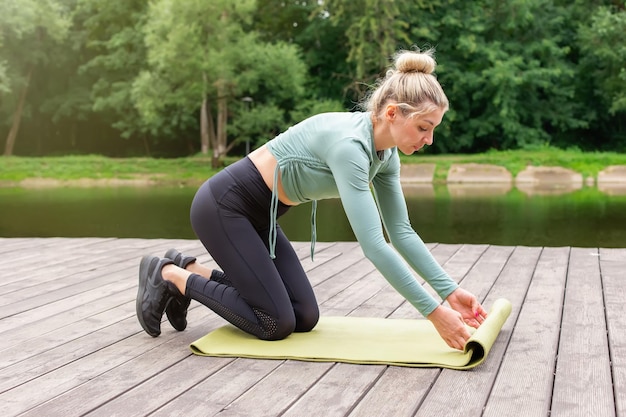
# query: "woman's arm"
{"points": [[349, 164], [410, 246]]}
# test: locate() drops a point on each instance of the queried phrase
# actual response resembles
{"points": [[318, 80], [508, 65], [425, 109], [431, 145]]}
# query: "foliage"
{"points": [[603, 44], [112, 33], [518, 73], [30, 29], [505, 70], [27, 29], [213, 61]]}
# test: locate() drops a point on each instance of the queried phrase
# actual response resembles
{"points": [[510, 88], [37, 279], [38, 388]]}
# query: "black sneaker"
{"points": [[178, 258], [152, 294], [176, 309]]}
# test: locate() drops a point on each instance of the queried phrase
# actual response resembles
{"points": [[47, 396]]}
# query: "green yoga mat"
{"points": [[362, 340]]}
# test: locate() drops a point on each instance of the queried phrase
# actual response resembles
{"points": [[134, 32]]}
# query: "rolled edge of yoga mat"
{"points": [[485, 336]]}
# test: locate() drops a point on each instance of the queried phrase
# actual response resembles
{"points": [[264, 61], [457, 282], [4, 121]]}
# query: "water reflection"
{"points": [[549, 188], [612, 188], [497, 214], [479, 190]]}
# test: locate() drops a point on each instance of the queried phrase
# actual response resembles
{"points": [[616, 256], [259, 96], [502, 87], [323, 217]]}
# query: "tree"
{"points": [[114, 42], [374, 30], [322, 44], [200, 61], [506, 70], [28, 30], [603, 45]]}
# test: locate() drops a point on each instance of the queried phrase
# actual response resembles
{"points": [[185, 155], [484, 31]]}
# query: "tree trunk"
{"points": [[17, 116], [146, 144], [218, 140], [222, 119], [204, 128], [215, 159]]}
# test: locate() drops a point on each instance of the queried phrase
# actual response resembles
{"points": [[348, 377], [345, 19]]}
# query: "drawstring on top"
{"points": [[274, 214], [313, 228]]}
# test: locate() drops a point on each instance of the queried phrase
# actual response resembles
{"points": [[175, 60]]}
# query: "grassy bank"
{"points": [[586, 163], [196, 169], [68, 168]]}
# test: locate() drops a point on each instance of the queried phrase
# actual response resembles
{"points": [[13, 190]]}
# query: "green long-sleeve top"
{"points": [[333, 155]]}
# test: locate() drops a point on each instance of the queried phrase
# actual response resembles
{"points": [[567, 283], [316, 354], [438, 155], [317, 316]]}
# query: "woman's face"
{"points": [[410, 134]]}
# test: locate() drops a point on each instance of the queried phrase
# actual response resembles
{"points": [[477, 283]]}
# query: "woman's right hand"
{"points": [[450, 326]]}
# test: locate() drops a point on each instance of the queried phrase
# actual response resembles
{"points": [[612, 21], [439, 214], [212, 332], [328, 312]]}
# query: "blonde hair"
{"points": [[411, 85]]}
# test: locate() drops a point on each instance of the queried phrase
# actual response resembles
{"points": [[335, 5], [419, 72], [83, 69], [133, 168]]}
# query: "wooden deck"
{"points": [[70, 343]]}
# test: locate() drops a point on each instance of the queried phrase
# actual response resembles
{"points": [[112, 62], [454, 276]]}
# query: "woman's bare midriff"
{"points": [[265, 162]]}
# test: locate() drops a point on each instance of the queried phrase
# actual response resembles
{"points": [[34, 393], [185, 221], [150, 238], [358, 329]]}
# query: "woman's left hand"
{"points": [[466, 303]]}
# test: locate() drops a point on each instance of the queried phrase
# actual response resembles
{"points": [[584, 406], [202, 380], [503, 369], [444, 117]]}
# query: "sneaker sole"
{"points": [[144, 269]]}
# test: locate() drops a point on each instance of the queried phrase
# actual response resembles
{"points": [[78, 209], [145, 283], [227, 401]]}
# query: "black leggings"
{"points": [[269, 298]]}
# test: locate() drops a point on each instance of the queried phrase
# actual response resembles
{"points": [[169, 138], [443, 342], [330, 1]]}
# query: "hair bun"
{"points": [[408, 61]]}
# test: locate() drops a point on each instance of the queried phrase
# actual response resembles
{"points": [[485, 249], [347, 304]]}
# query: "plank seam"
{"points": [[608, 338], [558, 344]]}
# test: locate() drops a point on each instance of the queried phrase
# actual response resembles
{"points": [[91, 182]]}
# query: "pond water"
{"points": [[586, 217]]}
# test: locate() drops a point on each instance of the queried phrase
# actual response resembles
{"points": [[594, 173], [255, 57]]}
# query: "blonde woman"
{"points": [[261, 287]]}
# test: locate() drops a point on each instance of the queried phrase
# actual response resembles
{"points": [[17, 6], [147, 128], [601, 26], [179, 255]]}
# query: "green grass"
{"points": [[197, 168], [191, 169]]}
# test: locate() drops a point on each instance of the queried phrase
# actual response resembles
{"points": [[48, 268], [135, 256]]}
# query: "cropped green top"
{"points": [[333, 155]]}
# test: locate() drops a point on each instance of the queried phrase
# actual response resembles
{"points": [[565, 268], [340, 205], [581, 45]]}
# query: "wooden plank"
{"points": [[341, 388], [524, 383], [52, 384], [275, 393], [404, 399], [350, 286], [76, 280], [339, 275], [86, 292], [38, 319], [367, 283], [334, 259], [80, 351], [63, 326], [47, 355], [154, 374], [82, 255], [350, 302], [250, 380], [19, 249], [341, 257], [55, 255], [217, 391], [399, 391], [612, 267], [583, 384], [498, 274], [110, 379]]}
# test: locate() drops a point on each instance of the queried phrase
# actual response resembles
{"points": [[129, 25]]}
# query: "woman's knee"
{"points": [[281, 328], [306, 319], [301, 321]]}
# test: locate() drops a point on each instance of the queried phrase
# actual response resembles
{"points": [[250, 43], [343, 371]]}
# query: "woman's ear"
{"points": [[391, 111]]}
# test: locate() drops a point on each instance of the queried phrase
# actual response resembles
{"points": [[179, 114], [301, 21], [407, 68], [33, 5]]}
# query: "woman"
{"points": [[263, 289]]}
